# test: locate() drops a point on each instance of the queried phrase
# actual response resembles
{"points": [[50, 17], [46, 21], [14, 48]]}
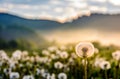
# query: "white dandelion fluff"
{"points": [[58, 65], [14, 75], [64, 55], [98, 61], [62, 76], [105, 65], [116, 55], [17, 54], [28, 77], [84, 49]]}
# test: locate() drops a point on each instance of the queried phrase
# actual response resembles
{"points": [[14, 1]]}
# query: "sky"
{"points": [[59, 10]]}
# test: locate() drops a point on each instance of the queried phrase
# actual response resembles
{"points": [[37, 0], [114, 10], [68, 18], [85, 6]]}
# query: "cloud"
{"points": [[115, 2], [59, 10]]}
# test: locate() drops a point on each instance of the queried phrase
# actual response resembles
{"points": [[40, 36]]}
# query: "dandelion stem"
{"points": [[85, 68], [106, 77], [117, 70]]}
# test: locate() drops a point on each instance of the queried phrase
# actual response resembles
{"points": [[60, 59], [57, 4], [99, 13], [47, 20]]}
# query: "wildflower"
{"points": [[24, 53], [46, 75], [14, 75], [7, 70], [116, 55], [62, 76], [12, 64], [63, 48], [3, 55], [84, 49], [64, 55], [43, 71], [98, 61], [105, 65], [96, 50], [53, 56], [73, 55], [28, 77], [53, 76], [38, 71], [52, 48], [71, 61], [32, 59], [46, 52], [17, 55], [58, 65]]}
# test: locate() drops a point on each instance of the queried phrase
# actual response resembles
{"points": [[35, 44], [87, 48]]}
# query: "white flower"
{"points": [[85, 49], [63, 48], [17, 54], [12, 63], [62, 76], [7, 70], [43, 71], [105, 65], [71, 61], [73, 55], [38, 71], [53, 76], [116, 55], [14, 75], [96, 50], [46, 75], [3, 55], [46, 52], [64, 55], [58, 65], [52, 48], [32, 59], [24, 53], [98, 61], [44, 60], [37, 58], [53, 56], [28, 77]]}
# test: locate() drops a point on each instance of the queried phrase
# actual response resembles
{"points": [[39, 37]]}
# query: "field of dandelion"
{"points": [[60, 62]]}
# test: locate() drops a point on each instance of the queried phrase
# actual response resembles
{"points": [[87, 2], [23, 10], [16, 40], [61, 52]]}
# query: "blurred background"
{"points": [[39, 23]]}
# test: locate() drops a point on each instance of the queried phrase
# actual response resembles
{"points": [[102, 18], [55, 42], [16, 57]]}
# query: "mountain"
{"points": [[100, 21], [14, 27], [10, 20], [104, 22]]}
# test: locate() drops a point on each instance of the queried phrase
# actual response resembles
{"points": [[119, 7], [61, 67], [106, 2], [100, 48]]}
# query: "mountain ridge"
{"points": [[12, 27]]}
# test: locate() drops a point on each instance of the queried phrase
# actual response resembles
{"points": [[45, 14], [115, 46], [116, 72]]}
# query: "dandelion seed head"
{"points": [[85, 49]]}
